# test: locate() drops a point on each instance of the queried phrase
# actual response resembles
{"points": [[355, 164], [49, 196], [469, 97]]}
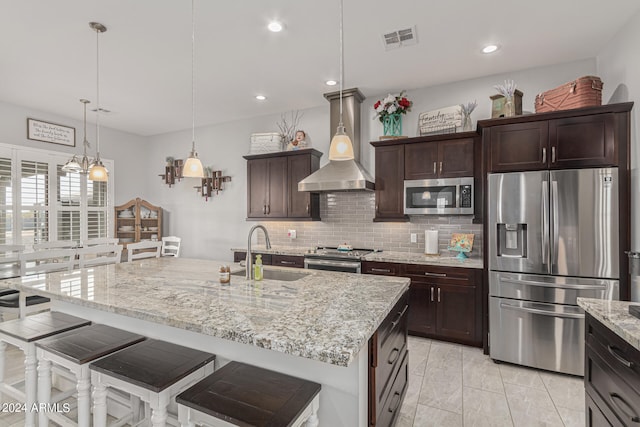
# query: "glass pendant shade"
{"points": [[341, 147], [193, 167], [72, 166], [98, 172]]}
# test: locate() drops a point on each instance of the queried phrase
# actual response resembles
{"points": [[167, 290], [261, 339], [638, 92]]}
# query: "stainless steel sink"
{"points": [[284, 276]]}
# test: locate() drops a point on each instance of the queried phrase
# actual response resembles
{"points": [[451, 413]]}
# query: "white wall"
{"points": [[619, 67], [210, 229], [125, 149]]}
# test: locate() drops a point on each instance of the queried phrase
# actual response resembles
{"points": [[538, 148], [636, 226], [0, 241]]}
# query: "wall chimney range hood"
{"points": [[345, 175]]}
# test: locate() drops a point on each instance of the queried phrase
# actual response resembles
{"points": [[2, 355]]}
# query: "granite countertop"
{"points": [[382, 256], [325, 316], [615, 316]]}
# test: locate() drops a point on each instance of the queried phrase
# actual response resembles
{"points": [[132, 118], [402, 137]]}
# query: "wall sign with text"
{"points": [[37, 130]]}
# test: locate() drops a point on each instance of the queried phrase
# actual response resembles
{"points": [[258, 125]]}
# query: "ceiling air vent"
{"points": [[400, 38], [102, 110]]}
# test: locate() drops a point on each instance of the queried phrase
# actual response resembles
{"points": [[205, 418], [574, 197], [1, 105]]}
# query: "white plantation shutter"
{"points": [[34, 192], [69, 202], [97, 209], [6, 202]]}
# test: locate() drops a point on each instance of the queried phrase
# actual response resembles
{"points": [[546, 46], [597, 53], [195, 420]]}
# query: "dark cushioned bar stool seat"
{"points": [[155, 371], [74, 350], [10, 302], [23, 333], [245, 395]]}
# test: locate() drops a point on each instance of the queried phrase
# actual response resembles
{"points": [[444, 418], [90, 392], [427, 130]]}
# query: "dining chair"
{"points": [[46, 260], [90, 256], [10, 260], [56, 244], [145, 249], [171, 246]]}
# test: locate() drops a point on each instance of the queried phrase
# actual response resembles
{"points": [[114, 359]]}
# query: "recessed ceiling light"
{"points": [[331, 82], [490, 48], [275, 26], [261, 97]]}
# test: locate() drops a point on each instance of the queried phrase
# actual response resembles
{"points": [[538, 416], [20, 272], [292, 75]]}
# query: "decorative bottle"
{"points": [[257, 268]]}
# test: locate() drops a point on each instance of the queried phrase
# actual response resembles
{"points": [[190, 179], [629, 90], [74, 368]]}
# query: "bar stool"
{"points": [[23, 333], [245, 395], [74, 350], [154, 371]]}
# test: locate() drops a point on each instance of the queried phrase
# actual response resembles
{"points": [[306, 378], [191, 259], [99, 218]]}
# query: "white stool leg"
{"points": [[84, 396], [3, 348], [44, 387], [30, 384], [184, 416], [313, 421], [159, 405], [99, 402]]}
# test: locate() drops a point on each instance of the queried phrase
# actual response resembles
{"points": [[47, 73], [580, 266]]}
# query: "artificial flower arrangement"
{"points": [[392, 104]]}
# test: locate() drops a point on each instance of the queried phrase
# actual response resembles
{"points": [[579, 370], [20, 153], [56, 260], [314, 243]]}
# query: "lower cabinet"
{"points": [[611, 378], [444, 302], [273, 259], [388, 366]]}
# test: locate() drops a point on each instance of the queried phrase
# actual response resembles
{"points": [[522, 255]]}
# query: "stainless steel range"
{"points": [[335, 259]]}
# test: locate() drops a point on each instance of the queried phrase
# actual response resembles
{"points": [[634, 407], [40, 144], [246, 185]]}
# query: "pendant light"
{"points": [[80, 166], [341, 147], [98, 172], [193, 166]]}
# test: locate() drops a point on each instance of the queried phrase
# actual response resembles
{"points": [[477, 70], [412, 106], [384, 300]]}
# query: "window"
{"points": [[52, 204]]}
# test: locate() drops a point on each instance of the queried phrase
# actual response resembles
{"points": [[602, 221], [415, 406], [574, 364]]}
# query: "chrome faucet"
{"points": [[249, 260]]}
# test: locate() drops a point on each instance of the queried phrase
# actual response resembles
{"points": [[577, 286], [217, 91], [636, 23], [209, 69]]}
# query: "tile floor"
{"points": [[453, 385]]}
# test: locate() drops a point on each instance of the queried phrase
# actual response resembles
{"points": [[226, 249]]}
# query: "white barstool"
{"points": [[146, 249], [74, 350], [244, 395], [171, 246], [23, 333], [152, 370]]}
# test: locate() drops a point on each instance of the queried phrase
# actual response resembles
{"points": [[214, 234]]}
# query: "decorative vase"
{"points": [[509, 107], [392, 124], [466, 122]]}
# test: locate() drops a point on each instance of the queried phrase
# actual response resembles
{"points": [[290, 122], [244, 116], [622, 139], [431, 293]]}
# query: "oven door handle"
{"points": [[542, 312], [346, 264]]}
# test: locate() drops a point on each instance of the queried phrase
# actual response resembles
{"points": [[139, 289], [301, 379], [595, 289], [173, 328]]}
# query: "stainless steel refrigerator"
{"points": [[552, 237]]}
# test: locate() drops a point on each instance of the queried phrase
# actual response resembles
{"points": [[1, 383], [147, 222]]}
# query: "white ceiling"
{"points": [[48, 51]]}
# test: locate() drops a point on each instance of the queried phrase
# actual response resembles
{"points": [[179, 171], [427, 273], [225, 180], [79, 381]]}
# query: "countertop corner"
{"points": [[615, 316]]}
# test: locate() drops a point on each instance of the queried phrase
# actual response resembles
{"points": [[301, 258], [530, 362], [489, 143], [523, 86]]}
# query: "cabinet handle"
{"points": [[381, 270], [432, 294], [553, 154], [614, 397], [434, 167], [394, 407], [264, 209], [438, 294], [544, 155], [287, 262], [614, 353], [435, 274], [440, 167], [307, 207], [268, 209], [377, 210], [393, 356], [400, 314]]}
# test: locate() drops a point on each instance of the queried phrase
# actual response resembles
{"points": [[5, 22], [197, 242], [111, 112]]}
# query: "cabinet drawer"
{"points": [[609, 390], [595, 415], [380, 268], [241, 256], [444, 275], [389, 410], [288, 261], [621, 357]]}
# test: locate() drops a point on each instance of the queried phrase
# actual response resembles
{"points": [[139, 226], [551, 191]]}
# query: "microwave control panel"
{"points": [[465, 196]]}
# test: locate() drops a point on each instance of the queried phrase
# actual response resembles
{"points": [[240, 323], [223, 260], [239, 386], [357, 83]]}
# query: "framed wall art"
{"points": [[38, 130]]}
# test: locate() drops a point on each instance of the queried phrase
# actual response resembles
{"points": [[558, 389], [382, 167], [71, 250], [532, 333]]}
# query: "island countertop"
{"points": [[615, 316], [324, 316]]}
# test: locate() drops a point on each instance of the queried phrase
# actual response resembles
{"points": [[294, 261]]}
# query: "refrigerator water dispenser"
{"points": [[512, 240]]}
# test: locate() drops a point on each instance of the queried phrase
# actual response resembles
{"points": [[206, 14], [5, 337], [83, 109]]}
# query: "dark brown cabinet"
{"points": [[272, 185], [389, 183], [292, 261], [444, 302], [439, 159], [612, 377], [585, 140]]}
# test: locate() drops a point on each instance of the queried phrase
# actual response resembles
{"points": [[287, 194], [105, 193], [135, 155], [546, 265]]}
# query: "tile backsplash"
{"points": [[347, 217]]}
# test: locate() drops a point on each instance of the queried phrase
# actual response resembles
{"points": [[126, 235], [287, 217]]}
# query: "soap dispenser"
{"points": [[257, 268]]}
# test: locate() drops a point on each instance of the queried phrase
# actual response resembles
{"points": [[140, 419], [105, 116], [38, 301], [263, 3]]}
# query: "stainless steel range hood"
{"points": [[343, 175]]}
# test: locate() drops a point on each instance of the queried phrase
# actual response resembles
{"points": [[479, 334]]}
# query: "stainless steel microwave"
{"points": [[448, 196]]}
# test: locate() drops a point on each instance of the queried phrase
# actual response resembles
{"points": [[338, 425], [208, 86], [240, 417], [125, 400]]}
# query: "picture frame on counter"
{"points": [[39, 130]]}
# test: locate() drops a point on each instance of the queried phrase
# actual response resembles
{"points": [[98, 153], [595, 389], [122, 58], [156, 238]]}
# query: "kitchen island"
{"points": [[316, 327]]}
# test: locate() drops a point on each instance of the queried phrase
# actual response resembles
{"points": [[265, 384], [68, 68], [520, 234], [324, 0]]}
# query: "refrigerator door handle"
{"points": [[554, 285], [542, 312], [556, 221], [545, 222]]}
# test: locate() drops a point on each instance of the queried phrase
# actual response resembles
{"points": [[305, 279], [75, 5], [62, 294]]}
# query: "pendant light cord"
{"points": [[193, 86], [84, 141], [341, 59], [97, 95]]}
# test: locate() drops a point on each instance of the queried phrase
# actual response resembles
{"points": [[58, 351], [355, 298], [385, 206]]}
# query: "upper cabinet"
{"points": [[439, 159], [586, 137], [272, 185], [390, 183]]}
